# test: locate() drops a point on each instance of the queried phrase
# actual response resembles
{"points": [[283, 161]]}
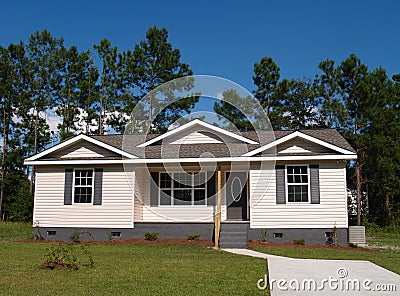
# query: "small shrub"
{"points": [[335, 235], [194, 236], [264, 234], [351, 245], [61, 256], [76, 236], [67, 256], [299, 242], [151, 236]]}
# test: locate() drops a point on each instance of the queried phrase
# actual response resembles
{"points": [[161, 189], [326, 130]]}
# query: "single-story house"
{"points": [[196, 179]]}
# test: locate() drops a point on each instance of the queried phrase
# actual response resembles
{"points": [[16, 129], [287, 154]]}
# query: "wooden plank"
{"points": [[218, 210]]}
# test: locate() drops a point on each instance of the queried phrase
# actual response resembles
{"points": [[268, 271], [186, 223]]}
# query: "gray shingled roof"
{"points": [[129, 144]]}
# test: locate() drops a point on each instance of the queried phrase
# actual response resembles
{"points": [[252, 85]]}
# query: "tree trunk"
{"points": [[5, 137], [359, 192]]}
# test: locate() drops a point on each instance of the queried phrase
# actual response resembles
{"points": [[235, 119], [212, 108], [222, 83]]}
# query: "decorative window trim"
{"points": [[287, 184], [172, 189], [92, 186]]}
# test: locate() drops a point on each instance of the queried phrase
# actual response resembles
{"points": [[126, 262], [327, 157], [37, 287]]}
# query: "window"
{"points": [[278, 234], [297, 183], [176, 189], [83, 186]]}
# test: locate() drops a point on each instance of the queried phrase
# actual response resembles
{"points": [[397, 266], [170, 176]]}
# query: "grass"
{"points": [[126, 270], [15, 231], [131, 270], [157, 269], [384, 252]]}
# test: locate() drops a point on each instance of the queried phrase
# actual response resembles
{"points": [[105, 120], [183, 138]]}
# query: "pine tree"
{"points": [[328, 91], [152, 63]]}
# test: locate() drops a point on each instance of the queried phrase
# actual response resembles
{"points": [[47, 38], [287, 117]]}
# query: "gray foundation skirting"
{"points": [[182, 230], [288, 235]]}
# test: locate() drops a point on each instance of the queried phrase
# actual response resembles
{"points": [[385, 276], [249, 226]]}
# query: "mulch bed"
{"points": [[200, 242], [259, 243], [133, 241], [57, 266]]}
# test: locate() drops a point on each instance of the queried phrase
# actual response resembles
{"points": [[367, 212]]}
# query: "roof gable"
{"points": [[196, 132], [72, 143], [305, 138]]}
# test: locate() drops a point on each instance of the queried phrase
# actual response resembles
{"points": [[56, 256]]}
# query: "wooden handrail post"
{"points": [[217, 218]]}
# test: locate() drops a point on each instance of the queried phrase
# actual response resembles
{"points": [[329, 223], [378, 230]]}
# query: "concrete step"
{"points": [[233, 235], [232, 245]]}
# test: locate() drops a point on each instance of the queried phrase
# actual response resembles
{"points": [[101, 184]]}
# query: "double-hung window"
{"points": [[83, 186], [177, 189], [297, 183]]}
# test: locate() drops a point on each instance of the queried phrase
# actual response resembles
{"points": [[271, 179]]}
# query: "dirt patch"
{"points": [[259, 243], [133, 241], [57, 266]]}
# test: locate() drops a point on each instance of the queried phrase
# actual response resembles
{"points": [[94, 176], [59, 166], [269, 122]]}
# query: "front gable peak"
{"points": [[196, 132]]}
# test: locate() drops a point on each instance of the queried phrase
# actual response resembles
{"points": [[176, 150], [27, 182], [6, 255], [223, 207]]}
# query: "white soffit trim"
{"points": [[76, 139], [195, 160], [303, 136], [201, 123]]}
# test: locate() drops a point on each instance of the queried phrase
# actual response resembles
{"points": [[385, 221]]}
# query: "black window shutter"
{"points": [[154, 189], [98, 186], [68, 186], [314, 184], [211, 188], [280, 184]]}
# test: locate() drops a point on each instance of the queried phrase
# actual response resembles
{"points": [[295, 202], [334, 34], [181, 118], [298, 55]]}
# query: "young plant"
{"points": [[264, 234], [61, 256], [194, 236], [334, 235], [299, 242], [68, 256], [151, 236], [76, 236]]}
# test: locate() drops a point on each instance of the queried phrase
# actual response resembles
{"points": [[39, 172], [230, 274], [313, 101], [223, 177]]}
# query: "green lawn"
{"points": [[15, 231], [156, 269], [126, 270], [385, 252]]}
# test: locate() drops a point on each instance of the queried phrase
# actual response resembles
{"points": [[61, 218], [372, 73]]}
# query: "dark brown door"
{"points": [[236, 195]]}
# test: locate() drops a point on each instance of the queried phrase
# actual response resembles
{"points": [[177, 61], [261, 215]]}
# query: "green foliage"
{"points": [[351, 245], [233, 110], [17, 198], [374, 230], [264, 234], [193, 236], [68, 256], [77, 235], [266, 77], [299, 242], [151, 236]]}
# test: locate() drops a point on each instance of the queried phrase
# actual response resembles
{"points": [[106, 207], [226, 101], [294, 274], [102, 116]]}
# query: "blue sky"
{"points": [[224, 38]]}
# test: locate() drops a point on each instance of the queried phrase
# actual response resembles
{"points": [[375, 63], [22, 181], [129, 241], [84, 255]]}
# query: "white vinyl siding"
{"points": [[301, 146], [194, 136], [116, 210], [266, 213], [82, 149]]}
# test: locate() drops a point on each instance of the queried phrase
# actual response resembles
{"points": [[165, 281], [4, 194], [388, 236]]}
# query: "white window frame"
{"points": [[287, 184], [73, 187], [172, 189]]}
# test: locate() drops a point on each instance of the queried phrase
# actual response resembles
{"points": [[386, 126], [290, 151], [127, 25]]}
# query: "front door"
{"points": [[236, 195]]}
